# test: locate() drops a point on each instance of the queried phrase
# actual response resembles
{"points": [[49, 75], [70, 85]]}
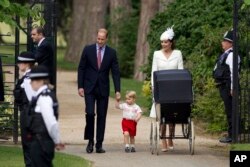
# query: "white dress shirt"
{"points": [[45, 107], [26, 85]]}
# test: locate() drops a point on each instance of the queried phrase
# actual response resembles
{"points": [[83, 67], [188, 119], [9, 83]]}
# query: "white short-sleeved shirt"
{"points": [[45, 107], [130, 111]]}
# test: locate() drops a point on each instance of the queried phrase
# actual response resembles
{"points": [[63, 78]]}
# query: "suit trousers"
{"points": [[101, 102], [227, 99]]}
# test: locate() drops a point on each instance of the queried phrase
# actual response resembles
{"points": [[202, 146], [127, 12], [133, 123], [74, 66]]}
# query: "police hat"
{"points": [[39, 72], [228, 36], [26, 57]]}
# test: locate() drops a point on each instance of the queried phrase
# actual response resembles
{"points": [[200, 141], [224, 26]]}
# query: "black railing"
{"points": [[241, 80], [9, 121]]}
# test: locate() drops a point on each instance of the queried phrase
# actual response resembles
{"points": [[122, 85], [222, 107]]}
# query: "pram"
{"points": [[173, 92]]}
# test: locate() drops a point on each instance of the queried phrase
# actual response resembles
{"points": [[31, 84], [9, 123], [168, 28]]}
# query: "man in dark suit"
{"points": [[96, 62], [44, 53]]}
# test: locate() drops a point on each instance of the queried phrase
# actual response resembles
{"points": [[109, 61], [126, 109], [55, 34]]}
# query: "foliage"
{"points": [[209, 107], [65, 8], [6, 116], [199, 27], [126, 29], [8, 9]]}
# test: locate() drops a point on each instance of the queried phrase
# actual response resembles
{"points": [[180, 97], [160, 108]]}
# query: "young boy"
{"points": [[42, 119], [131, 115], [23, 93]]}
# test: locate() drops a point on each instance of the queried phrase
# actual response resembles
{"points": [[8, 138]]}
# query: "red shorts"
{"points": [[129, 126]]}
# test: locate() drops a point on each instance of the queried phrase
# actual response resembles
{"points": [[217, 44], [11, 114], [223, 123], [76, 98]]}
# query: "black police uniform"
{"points": [[42, 147], [223, 80], [22, 96], [22, 102]]}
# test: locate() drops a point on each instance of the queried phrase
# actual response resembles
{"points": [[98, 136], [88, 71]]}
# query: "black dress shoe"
{"points": [[226, 140], [89, 147], [100, 150]]}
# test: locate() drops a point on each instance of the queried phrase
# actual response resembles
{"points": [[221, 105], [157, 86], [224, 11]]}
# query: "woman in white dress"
{"points": [[166, 59]]}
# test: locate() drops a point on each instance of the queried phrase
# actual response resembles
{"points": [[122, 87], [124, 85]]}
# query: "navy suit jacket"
{"points": [[45, 56], [90, 76]]}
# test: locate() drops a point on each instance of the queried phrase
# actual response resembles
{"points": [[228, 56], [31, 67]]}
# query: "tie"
{"points": [[99, 57]]}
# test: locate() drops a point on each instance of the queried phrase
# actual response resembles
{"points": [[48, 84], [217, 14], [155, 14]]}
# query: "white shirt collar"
{"points": [[229, 49], [39, 43], [103, 47], [42, 88], [26, 71]]}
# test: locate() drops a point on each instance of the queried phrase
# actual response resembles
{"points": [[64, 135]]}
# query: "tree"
{"points": [[64, 11], [124, 18], [148, 10], [88, 17], [119, 10]]}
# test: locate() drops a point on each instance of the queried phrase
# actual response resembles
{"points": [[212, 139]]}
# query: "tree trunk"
{"points": [[148, 10], [119, 9], [88, 17]]}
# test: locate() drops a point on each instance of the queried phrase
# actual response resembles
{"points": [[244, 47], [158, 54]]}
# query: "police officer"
{"points": [[42, 119], [23, 93], [223, 75]]}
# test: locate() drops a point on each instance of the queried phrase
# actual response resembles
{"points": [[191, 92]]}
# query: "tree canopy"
{"points": [[8, 9]]}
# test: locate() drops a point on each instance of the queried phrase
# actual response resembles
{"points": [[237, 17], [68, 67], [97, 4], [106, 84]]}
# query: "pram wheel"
{"points": [[191, 136]]}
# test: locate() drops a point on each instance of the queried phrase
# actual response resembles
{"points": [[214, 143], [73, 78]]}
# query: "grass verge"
{"points": [[240, 147], [13, 157]]}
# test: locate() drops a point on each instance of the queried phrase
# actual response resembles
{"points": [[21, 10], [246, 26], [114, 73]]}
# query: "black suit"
{"points": [[95, 83], [45, 56]]}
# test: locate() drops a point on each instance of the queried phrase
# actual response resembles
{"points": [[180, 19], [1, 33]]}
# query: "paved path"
{"points": [[72, 124]]}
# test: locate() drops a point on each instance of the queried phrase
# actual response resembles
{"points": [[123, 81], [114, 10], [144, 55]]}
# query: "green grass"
{"points": [[130, 84], [13, 157], [240, 147], [62, 64]]}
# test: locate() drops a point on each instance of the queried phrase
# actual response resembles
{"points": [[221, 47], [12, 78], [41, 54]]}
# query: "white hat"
{"points": [[168, 34]]}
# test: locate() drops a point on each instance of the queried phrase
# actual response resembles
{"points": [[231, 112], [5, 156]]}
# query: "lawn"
{"points": [[240, 147], [12, 157]]}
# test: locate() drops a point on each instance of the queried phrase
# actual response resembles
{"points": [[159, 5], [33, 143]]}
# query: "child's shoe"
{"points": [[132, 149], [127, 150]]}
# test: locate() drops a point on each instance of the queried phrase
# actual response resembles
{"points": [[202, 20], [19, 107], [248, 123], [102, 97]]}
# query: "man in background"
{"points": [[44, 53]]}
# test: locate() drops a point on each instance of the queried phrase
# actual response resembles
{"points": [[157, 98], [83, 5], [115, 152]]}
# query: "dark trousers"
{"points": [[101, 102], [42, 152], [227, 99], [26, 138]]}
